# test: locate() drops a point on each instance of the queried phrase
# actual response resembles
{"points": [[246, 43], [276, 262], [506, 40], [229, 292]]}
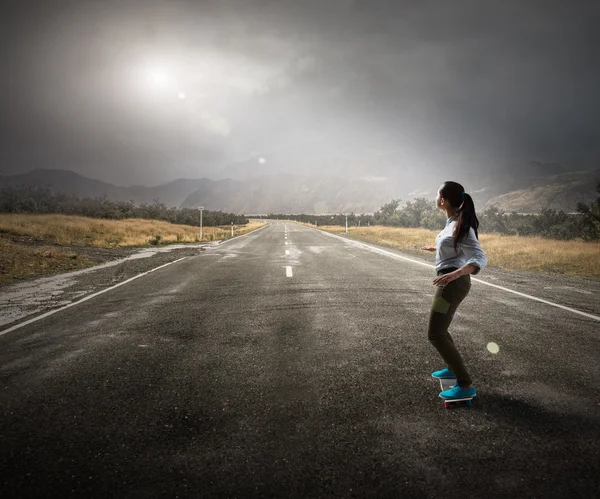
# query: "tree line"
{"points": [[421, 212], [42, 200], [585, 224]]}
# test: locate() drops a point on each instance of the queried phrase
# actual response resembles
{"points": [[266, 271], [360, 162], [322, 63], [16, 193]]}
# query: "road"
{"points": [[291, 363]]}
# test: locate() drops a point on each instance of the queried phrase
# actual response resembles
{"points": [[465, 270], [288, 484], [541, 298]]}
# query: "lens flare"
{"points": [[493, 347]]}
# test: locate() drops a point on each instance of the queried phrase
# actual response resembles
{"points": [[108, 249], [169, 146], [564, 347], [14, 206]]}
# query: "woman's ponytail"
{"points": [[466, 218], [465, 211]]}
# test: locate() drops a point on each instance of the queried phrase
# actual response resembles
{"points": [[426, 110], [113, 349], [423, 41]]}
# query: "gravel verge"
{"points": [[22, 301]]}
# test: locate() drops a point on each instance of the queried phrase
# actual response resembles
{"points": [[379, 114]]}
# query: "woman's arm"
{"points": [[468, 269], [476, 257]]}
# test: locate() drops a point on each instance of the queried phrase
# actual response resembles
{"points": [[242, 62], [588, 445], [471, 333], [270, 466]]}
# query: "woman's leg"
{"points": [[445, 303]]}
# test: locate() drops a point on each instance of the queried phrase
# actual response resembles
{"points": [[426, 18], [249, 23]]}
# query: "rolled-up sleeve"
{"points": [[473, 251]]}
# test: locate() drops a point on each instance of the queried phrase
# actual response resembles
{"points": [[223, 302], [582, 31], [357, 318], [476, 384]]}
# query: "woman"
{"points": [[458, 254]]}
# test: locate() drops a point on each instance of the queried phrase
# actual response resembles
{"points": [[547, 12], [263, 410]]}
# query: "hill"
{"points": [[558, 192], [521, 188]]}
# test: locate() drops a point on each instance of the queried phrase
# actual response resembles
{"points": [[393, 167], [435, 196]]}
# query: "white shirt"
{"points": [[469, 250]]}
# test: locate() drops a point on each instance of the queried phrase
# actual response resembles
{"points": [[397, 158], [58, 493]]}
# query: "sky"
{"points": [[143, 92]]}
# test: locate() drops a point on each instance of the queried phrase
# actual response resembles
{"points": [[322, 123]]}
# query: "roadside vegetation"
{"points": [[43, 232], [533, 253], [583, 225], [20, 262], [75, 231], [549, 241], [40, 231], [41, 245], [41, 200]]}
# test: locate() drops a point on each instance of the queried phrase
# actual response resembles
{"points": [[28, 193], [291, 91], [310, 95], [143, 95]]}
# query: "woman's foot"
{"points": [[457, 392], [443, 374]]}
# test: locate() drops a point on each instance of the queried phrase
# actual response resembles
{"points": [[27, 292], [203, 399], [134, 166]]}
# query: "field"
{"points": [[39, 245], [576, 258]]}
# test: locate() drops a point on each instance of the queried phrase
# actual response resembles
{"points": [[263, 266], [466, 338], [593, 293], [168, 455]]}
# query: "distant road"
{"points": [[291, 363]]}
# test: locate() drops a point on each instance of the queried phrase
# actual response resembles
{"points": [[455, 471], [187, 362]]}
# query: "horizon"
{"points": [[204, 177]]}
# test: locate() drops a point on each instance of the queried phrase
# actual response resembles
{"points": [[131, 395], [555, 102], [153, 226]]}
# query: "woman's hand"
{"points": [[446, 278], [428, 248]]}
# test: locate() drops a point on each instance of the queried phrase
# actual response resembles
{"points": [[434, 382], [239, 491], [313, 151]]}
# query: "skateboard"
{"points": [[446, 384]]}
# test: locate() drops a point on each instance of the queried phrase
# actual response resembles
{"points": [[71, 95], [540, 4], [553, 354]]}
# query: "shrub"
{"points": [[155, 240]]}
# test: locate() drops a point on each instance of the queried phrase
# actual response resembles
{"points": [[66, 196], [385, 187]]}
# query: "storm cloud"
{"points": [[141, 92]]}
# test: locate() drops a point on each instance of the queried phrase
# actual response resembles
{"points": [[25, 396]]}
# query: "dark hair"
{"points": [[465, 210]]}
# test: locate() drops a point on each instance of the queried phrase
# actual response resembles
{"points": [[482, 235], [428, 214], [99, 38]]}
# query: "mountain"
{"points": [[71, 183], [288, 193], [269, 193], [522, 188], [67, 182], [170, 193], [558, 192]]}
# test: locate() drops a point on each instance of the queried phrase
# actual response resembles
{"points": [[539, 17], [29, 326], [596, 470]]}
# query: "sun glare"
{"points": [[158, 79]]}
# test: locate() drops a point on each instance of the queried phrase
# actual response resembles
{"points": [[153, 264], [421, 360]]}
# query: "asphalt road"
{"points": [[248, 372]]}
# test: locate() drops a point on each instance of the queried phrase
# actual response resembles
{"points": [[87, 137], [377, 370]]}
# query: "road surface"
{"points": [[292, 363]]}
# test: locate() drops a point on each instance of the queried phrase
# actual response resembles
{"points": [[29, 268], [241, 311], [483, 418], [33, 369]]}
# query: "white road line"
{"points": [[286, 243], [241, 235], [288, 271], [52, 312], [394, 255], [287, 252]]}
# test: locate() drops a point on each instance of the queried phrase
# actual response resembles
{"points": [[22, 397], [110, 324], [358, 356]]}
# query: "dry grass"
{"points": [[19, 261], [576, 258], [26, 241], [81, 231]]}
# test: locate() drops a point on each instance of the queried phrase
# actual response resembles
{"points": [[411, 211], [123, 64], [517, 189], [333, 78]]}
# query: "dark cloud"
{"points": [[433, 83]]}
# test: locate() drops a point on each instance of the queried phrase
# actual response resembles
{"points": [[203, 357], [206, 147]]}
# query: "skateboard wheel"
{"points": [[446, 405], [469, 403]]}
